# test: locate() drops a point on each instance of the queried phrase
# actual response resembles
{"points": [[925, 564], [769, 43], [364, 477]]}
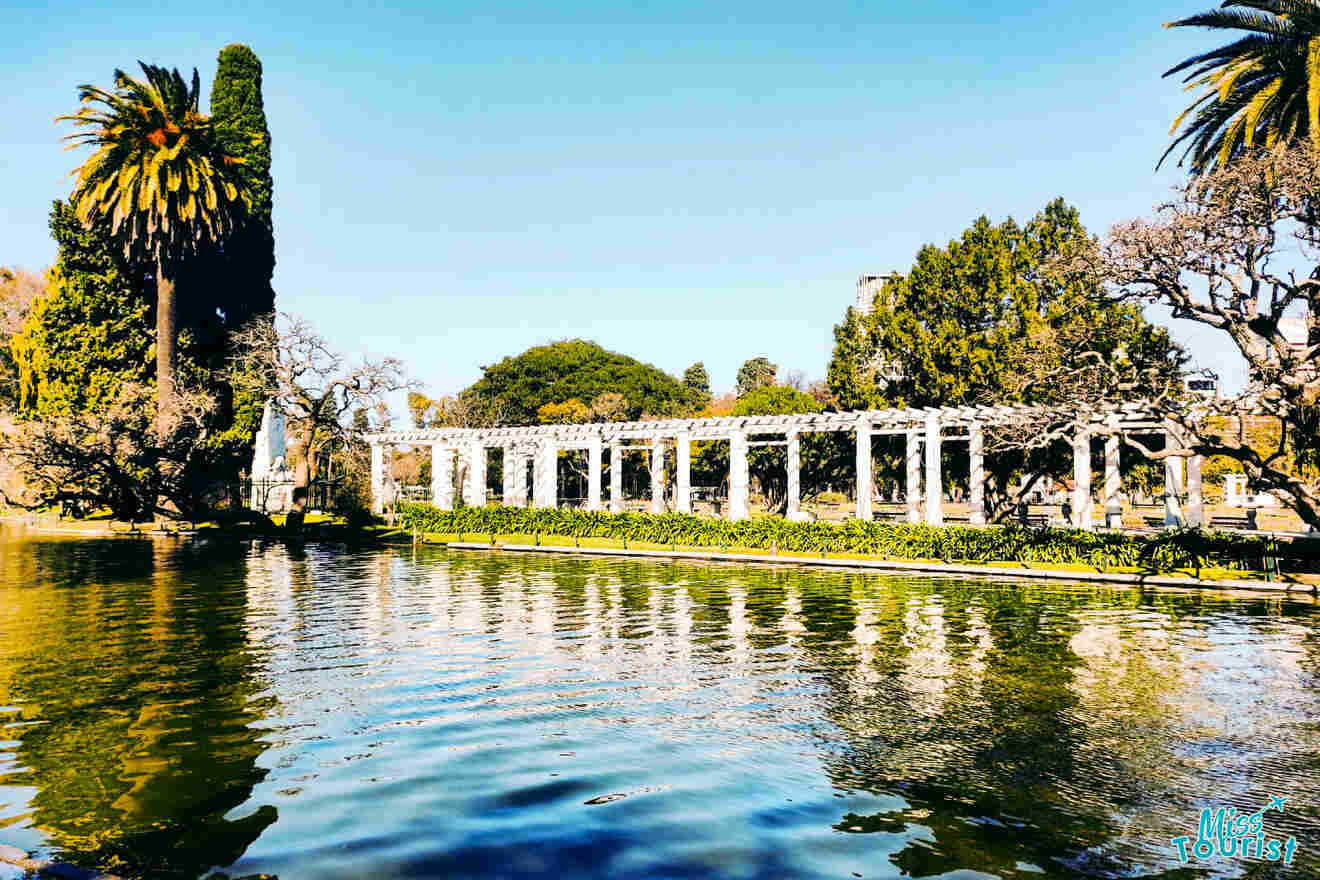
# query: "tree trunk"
{"points": [[167, 310], [302, 478]]}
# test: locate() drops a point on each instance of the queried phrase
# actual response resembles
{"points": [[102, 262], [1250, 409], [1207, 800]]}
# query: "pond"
{"points": [[174, 708]]}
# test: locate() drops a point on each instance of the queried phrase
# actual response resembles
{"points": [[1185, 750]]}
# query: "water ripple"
{"points": [[314, 712]]}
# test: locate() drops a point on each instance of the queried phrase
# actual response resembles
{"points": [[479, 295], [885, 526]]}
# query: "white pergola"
{"points": [[926, 430]]}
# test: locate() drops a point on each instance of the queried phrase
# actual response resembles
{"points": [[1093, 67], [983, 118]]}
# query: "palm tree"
{"points": [[161, 183], [1261, 89]]}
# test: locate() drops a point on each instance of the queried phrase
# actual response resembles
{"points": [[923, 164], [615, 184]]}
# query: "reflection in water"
{"points": [[130, 704], [419, 713]]}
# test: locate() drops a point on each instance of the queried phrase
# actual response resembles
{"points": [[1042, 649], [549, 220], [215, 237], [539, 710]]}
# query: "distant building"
{"points": [[868, 288], [1236, 493]]}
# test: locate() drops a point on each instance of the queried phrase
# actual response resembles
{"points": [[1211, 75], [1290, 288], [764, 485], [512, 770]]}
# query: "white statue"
{"points": [[268, 463], [268, 457]]}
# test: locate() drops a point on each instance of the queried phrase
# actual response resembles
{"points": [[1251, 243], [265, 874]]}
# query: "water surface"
{"points": [[179, 708]]}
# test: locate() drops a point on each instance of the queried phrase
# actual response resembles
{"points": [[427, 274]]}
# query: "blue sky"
{"points": [[680, 181]]}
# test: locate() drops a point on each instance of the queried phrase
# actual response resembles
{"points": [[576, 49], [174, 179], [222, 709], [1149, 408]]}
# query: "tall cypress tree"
{"points": [[240, 114], [225, 289]]}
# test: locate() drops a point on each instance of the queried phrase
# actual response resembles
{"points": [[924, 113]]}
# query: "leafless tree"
{"points": [[1237, 250], [17, 290], [113, 458], [316, 388]]}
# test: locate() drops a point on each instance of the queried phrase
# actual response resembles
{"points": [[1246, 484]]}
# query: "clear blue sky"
{"points": [[680, 182]]}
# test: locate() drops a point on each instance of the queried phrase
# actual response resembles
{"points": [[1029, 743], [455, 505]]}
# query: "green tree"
{"points": [[517, 387], [570, 412], [982, 321], [164, 184], [1260, 89], [241, 130], [89, 332], [696, 378], [221, 289], [756, 373], [18, 290]]}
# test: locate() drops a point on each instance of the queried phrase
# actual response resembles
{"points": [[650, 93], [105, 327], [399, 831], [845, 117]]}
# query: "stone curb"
{"points": [[12, 855], [888, 565]]}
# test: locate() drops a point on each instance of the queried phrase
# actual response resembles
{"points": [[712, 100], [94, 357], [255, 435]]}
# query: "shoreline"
{"points": [[315, 530], [1294, 590]]}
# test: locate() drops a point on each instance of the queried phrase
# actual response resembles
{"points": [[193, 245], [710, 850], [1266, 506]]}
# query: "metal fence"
{"points": [[276, 496]]}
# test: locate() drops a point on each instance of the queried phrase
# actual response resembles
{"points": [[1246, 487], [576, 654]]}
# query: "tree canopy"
{"points": [[235, 281], [518, 387], [756, 373], [696, 378], [981, 321], [18, 290], [89, 332], [159, 172]]}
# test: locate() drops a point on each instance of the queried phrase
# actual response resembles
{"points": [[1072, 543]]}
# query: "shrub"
{"points": [[1164, 552]]}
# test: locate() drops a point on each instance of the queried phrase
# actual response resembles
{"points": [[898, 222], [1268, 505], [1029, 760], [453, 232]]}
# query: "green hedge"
{"points": [[1164, 552]]}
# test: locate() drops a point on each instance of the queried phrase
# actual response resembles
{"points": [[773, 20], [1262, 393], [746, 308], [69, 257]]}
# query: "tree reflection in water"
{"points": [[1065, 742], [140, 696]]}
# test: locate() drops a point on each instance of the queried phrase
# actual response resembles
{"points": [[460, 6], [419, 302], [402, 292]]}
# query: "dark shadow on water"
{"points": [[134, 663]]}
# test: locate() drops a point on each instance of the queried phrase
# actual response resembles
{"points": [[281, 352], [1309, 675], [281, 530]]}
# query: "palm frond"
{"points": [[1265, 85], [158, 173]]}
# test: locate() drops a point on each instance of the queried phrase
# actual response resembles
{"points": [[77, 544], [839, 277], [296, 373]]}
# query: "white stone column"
{"points": [[1173, 484], [1113, 476], [616, 476], [912, 491], [476, 484], [378, 478], [593, 474], [442, 476], [545, 475], [976, 474], [737, 476], [522, 489], [934, 473], [1081, 498], [683, 473], [794, 467], [657, 474], [1195, 503], [510, 468], [865, 474]]}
